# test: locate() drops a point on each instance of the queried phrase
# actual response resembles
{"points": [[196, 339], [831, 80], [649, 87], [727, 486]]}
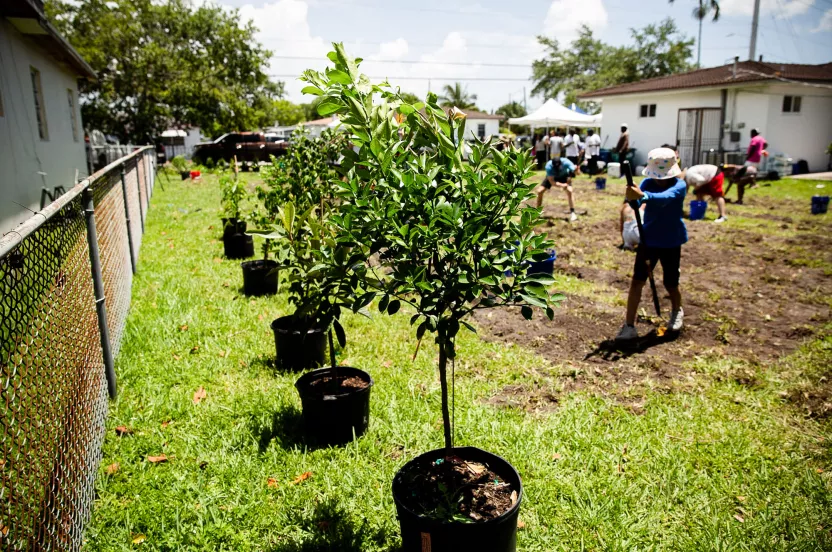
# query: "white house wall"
{"points": [[803, 135], [751, 104], [492, 127], [649, 132], [23, 155]]}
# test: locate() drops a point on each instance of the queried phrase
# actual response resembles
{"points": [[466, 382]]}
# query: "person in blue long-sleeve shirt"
{"points": [[663, 195]]}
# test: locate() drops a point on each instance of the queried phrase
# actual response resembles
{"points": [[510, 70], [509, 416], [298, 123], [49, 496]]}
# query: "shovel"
{"points": [[628, 174]]}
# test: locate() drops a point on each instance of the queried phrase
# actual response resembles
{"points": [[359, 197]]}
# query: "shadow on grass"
{"points": [[613, 351], [328, 528], [285, 430]]}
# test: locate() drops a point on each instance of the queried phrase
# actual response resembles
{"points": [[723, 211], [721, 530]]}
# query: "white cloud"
{"points": [[284, 29], [395, 49], [783, 9], [825, 23], [565, 17]]}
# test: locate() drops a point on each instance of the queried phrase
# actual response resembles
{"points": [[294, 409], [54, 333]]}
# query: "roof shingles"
{"points": [[747, 71]]}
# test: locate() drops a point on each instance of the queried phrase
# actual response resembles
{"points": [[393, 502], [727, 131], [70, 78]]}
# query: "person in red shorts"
{"points": [[708, 180]]}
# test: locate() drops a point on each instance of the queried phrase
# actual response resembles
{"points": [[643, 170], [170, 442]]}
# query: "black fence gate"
{"points": [[697, 133]]}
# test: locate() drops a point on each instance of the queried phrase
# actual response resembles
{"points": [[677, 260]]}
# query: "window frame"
{"points": [[647, 111], [40, 103], [73, 113], [481, 131], [794, 107]]}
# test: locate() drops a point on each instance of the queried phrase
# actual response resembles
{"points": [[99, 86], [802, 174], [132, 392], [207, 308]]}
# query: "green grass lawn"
{"points": [[718, 466]]}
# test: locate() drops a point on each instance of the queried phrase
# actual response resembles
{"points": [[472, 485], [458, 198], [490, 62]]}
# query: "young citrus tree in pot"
{"points": [[322, 278], [236, 244], [442, 234]]}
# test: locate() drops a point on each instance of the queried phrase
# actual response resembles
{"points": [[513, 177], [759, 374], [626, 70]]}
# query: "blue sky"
{"points": [[491, 43]]}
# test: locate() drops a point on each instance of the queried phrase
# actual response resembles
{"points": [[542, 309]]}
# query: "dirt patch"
{"points": [[746, 295]]}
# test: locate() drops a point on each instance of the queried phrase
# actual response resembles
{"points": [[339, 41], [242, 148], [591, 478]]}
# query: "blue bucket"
{"points": [[697, 209], [600, 183], [820, 205], [543, 267]]}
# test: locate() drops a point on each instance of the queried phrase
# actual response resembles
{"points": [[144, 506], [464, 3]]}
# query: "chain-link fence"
{"points": [[65, 279]]}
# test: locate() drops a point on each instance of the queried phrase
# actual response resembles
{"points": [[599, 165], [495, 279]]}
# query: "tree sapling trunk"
{"points": [[443, 381]]}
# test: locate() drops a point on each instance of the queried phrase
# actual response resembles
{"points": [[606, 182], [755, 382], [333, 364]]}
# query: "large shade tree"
{"points": [[167, 63], [512, 109], [456, 95], [588, 63]]}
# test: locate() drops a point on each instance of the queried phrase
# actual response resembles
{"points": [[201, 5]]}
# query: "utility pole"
{"points": [[524, 100], [752, 49]]}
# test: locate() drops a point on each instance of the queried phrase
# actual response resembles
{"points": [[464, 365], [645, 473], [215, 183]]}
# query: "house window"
{"points": [[481, 131], [40, 108], [791, 104], [647, 110], [73, 112]]}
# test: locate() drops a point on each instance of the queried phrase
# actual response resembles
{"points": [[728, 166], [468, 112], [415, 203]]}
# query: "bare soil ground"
{"points": [[752, 292]]}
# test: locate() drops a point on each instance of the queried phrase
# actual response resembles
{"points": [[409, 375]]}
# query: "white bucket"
{"points": [[614, 170]]}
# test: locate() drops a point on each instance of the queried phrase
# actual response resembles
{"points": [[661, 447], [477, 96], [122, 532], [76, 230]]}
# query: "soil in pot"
{"points": [[259, 277], [336, 404], [469, 500], [238, 246], [297, 346]]}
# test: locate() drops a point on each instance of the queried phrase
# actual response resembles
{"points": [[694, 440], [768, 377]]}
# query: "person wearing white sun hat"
{"points": [[663, 195]]}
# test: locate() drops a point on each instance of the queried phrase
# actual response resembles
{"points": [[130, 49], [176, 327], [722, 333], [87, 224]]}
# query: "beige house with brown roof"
{"points": [[715, 109]]}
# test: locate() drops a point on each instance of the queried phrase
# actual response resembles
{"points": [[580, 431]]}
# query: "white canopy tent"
{"points": [[553, 114]]}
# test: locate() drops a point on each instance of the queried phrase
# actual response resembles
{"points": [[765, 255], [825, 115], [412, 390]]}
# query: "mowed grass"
{"points": [[720, 467]]}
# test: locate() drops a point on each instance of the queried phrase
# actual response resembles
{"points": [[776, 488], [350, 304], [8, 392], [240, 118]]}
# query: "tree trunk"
{"points": [[443, 381]]}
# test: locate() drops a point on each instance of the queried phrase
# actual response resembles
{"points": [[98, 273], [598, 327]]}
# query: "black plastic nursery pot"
{"points": [[238, 246], [297, 347], [420, 534], [259, 277], [231, 226], [334, 415]]}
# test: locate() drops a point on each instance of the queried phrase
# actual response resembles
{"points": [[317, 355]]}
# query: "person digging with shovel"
{"points": [[663, 234]]}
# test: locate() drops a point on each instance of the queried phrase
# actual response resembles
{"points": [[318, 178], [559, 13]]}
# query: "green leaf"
{"points": [[526, 311], [338, 76], [314, 90], [406, 109], [383, 302], [469, 326], [289, 217], [420, 331], [394, 306], [339, 333], [532, 300], [328, 108]]}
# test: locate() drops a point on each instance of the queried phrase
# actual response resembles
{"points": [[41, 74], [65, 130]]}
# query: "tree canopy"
{"points": [[512, 109], [457, 95], [162, 64], [588, 63]]}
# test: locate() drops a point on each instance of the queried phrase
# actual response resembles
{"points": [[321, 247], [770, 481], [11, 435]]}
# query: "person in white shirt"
{"points": [[572, 143], [555, 145], [707, 180], [592, 151]]}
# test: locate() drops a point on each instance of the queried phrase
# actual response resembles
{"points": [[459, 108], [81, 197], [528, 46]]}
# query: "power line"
{"points": [[415, 61], [442, 79]]}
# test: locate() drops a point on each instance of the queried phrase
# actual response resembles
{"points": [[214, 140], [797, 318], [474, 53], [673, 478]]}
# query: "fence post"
{"points": [[147, 189], [98, 288], [127, 216], [139, 191]]}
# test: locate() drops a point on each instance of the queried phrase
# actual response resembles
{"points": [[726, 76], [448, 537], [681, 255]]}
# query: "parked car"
{"points": [[246, 146]]}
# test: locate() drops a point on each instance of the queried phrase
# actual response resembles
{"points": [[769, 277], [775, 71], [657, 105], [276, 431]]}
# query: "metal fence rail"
{"points": [[65, 281]]}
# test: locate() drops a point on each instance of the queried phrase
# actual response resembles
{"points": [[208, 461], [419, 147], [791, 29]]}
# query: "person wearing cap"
{"points": [[663, 195], [707, 180], [559, 173], [623, 145]]}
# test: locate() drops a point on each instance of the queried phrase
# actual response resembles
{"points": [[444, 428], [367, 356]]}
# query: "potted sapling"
{"points": [[236, 244], [322, 277], [439, 232], [260, 276]]}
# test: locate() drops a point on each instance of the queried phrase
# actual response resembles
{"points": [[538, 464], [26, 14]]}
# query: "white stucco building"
{"points": [[716, 108], [481, 125], [41, 132]]}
